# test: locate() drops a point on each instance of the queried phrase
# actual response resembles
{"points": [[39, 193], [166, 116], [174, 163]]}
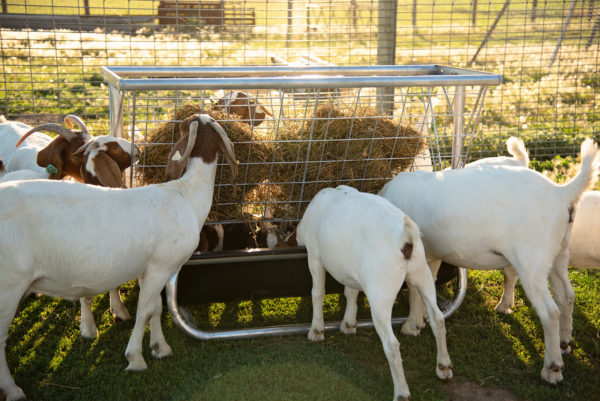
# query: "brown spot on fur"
{"points": [[495, 252], [407, 250], [566, 344], [246, 107], [571, 212], [59, 153], [208, 142], [1, 166]]}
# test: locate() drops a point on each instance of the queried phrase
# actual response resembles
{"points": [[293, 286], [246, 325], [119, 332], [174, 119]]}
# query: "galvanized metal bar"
{"points": [[115, 102], [459, 121]]}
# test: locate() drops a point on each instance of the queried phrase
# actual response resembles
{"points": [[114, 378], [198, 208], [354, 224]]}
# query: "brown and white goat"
{"points": [[245, 106], [93, 160]]}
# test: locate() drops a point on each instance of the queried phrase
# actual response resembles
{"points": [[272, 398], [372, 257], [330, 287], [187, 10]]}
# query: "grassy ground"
{"points": [[489, 351]]}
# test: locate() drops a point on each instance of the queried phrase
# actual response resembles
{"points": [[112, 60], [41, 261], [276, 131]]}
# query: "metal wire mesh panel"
{"points": [[297, 131], [546, 51]]}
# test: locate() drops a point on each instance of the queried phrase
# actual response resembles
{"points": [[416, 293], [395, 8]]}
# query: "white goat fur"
{"points": [[492, 217], [73, 240], [23, 157], [369, 245], [584, 248]]}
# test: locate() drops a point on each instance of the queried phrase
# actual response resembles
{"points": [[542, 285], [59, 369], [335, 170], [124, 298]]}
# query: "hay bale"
{"points": [[252, 155], [361, 149]]}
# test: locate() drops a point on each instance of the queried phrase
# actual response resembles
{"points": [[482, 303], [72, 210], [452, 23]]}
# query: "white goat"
{"points": [[369, 245], [584, 249], [73, 240], [23, 157], [492, 217], [517, 150]]}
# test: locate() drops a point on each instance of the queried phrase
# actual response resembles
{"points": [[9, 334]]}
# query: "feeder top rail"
{"points": [[286, 77]]}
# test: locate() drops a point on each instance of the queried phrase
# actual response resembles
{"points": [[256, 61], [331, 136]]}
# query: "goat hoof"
{"points": [[566, 347], [552, 374], [161, 351], [89, 334], [402, 398], [444, 372], [410, 329], [121, 316], [347, 328], [500, 308], [136, 362], [15, 394], [316, 335]]}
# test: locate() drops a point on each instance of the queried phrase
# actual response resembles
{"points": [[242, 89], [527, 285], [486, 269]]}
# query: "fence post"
{"points": [[86, 5], [386, 48]]}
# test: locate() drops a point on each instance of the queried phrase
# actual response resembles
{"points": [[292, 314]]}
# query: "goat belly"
{"points": [[481, 259]]}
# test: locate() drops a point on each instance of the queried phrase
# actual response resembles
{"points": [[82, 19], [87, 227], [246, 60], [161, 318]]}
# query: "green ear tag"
{"points": [[51, 169]]}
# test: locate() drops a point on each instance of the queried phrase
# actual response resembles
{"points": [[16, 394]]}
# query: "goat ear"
{"points": [[107, 170], [51, 157], [175, 166]]}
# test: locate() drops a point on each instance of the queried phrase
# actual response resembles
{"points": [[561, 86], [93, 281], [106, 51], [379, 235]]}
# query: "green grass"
{"points": [[50, 361]]}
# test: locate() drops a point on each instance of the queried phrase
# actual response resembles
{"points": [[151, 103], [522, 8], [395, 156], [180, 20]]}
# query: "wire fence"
{"points": [[547, 52]]}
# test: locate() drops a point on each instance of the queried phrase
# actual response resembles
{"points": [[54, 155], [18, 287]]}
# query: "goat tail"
{"points": [[411, 234], [588, 172], [516, 147]]}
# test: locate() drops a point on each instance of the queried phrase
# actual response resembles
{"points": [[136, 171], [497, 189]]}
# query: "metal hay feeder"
{"points": [[444, 104]]}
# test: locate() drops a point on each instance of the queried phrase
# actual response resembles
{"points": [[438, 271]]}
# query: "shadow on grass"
{"points": [[50, 360]]}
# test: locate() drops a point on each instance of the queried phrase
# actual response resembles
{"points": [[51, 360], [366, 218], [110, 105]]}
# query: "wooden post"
{"points": [[86, 5], [386, 49], [4, 7]]}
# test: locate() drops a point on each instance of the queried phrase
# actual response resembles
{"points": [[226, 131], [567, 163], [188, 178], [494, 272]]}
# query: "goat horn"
{"points": [[52, 127], [193, 133], [71, 118]]}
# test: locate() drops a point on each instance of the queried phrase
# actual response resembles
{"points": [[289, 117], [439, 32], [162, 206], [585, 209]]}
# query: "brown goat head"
{"points": [[103, 160], [58, 156], [201, 136], [245, 106]]}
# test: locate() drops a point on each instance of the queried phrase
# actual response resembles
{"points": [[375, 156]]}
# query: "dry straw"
{"points": [[358, 147]]}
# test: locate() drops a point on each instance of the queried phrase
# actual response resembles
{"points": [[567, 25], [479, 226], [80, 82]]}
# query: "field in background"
{"points": [[47, 74]]}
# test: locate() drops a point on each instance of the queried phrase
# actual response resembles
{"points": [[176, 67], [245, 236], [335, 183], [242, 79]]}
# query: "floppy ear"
{"points": [[52, 157], [107, 170], [176, 166]]}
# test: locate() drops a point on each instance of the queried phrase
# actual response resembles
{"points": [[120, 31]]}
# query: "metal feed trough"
{"points": [[356, 125]]}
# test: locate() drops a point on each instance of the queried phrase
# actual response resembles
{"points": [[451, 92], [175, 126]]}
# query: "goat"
{"points": [[584, 252], [24, 157], [100, 246], [245, 106], [93, 160], [527, 221], [369, 245], [516, 148]]}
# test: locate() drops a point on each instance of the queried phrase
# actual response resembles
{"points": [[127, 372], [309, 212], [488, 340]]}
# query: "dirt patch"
{"points": [[468, 391]]}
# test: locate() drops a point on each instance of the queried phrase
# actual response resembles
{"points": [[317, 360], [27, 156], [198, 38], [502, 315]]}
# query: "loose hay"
{"points": [[357, 148]]}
